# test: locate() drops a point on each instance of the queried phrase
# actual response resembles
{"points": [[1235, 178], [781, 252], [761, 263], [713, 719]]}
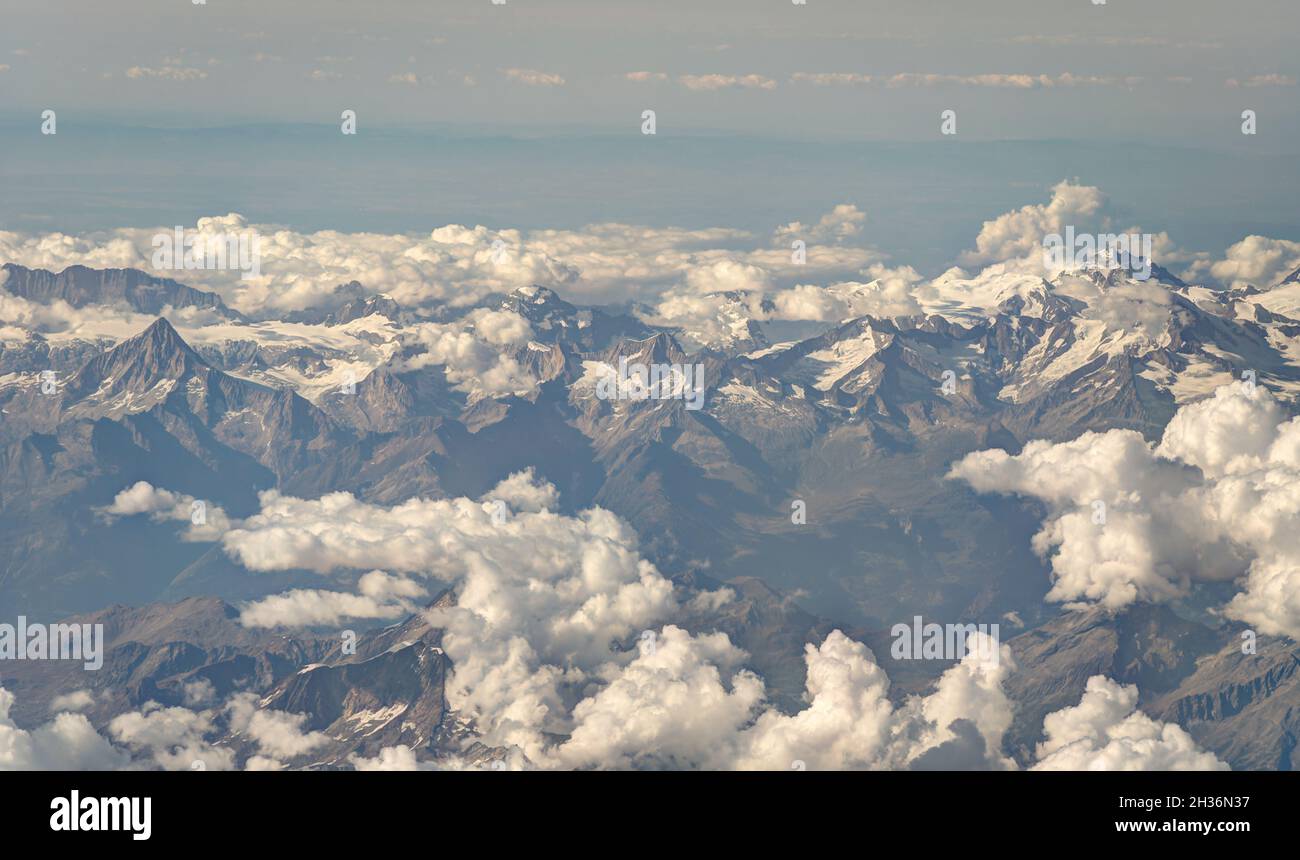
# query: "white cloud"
{"points": [[668, 708], [1019, 235], [469, 350], [171, 738], [78, 700], [843, 222], [1105, 731], [1256, 261], [68, 742], [381, 596], [850, 722], [808, 302], [207, 521], [62, 320], [279, 734], [1217, 499], [523, 492], [728, 276], [453, 264]]}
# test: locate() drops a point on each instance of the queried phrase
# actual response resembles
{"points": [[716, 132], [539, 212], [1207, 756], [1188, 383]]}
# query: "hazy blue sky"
{"points": [[528, 114], [293, 60]]}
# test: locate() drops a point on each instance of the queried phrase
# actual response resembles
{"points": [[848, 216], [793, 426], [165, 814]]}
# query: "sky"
{"points": [[1154, 69], [528, 113]]}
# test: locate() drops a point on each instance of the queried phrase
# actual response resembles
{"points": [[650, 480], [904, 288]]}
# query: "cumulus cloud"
{"points": [[808, 302], [713, 318], [1014, 242], [171, 738], [1019, 234], [668, 708], [207, 521], [710, 319], [1256, 261], [682, 703], [381, 595], [728, 276], [1105, 731], [890, 293], [842, 222], [1217, 499], [720, 296], [851, 723], [523, 492], [279, 734], [470, 351], [178, 738], [68, 742]]}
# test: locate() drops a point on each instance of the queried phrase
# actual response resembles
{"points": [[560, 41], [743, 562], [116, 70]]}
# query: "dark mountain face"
{"points": [[361, 308], [157, 375], [80, 286]]}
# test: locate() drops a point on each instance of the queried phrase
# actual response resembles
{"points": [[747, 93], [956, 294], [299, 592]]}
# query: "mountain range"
{"points": [[813, 482]]}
